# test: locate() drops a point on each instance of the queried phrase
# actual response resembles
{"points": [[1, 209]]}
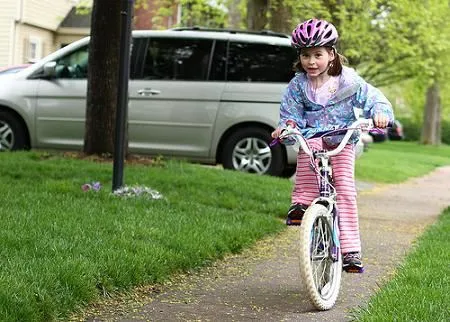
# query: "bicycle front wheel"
{"points": [[320, 258]]}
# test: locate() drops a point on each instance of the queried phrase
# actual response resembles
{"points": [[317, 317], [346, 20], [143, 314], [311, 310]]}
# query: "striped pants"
{"points": [[306, 189]]}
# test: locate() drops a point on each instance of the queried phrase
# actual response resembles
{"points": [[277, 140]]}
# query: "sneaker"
{"points": [[351, 263], [295, 214]]}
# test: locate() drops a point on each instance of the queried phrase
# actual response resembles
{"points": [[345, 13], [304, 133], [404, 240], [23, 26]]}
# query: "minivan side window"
{"points": [[251, 62], [177, 59], [73, 65], [219, 61]]}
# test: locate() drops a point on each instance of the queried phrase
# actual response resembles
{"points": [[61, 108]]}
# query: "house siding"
{"points": [[46, 14], [30, 27], [25, 34], [8, 14]]}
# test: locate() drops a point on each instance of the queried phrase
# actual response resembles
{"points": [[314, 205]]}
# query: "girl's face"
{"points": [[315, 61]]}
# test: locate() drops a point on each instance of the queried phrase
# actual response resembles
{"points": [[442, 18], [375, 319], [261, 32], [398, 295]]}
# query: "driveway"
{"points": [[263, 283]]}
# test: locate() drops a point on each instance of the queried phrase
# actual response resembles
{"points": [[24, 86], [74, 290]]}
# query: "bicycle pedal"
{"points": [[357, 270], [293, 222]]}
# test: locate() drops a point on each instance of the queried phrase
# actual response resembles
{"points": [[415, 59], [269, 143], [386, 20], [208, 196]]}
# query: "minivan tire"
{"points": [[248, 150], [16, 136]]}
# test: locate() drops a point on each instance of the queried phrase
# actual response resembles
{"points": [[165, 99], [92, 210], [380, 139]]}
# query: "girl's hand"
{"points": [[381, 120], [277, 132]]}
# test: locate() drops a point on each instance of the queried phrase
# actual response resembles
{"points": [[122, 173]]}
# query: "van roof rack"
{"points": [[233, 31]]}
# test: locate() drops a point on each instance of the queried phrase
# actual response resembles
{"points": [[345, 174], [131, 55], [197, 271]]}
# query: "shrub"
{"points": [[412, 129], [446, 131]]}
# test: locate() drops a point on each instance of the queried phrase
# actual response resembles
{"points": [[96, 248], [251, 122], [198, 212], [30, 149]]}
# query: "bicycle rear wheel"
{"points": [[320, 259]]}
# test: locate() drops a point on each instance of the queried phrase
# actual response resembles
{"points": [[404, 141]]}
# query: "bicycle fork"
{"points": [[328, 199]]}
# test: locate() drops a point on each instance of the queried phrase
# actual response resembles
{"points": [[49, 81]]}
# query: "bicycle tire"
{"points": [[323, 289]]}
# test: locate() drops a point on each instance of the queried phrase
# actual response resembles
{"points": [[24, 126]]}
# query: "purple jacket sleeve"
{"points": [[291, 108], [372, 101]]}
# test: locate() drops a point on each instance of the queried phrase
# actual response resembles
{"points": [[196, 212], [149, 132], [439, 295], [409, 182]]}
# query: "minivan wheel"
{"points": [[248, 150], [12, 135], [289, 171]]}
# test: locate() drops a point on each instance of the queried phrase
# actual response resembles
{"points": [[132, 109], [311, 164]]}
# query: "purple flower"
{"points": [[96, 186]]}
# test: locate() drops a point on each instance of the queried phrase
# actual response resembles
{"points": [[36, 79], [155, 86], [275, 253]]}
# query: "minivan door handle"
{"points": [[148, 92]]}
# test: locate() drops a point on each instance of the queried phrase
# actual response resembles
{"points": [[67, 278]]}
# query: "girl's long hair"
{"points": [[335, 65]]}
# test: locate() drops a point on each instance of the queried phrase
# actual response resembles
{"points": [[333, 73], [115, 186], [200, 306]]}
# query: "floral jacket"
{"points": [[354, 98]]}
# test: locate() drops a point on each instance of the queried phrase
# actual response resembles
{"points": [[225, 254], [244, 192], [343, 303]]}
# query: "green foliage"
{"points": [[389, 41], [403, 42], [412, 129], [194, 13], [445, 131], [410, 94], [141, 4]]}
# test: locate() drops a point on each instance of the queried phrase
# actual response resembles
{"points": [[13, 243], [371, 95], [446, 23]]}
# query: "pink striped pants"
{"points": [[306, 189]]}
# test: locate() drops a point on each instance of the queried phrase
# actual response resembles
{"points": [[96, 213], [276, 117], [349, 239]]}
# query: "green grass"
{"points": [[62, 248], [394, 162], [420, 289]]}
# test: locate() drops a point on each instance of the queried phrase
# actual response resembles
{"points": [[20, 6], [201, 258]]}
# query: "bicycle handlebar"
{"points": [[365, 124]]}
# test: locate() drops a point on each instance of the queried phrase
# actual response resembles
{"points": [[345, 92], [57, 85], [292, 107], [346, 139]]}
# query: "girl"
{"points": [[324, 95]]}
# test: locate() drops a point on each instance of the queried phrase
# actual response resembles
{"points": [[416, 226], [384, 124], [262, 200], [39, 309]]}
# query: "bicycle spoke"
{"points": [[320, 254]]}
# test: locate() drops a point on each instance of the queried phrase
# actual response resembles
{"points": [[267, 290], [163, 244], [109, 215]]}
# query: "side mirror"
{"points": [[50, 69]]}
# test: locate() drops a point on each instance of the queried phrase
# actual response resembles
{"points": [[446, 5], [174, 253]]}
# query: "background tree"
{"points": [[257, 14], [102, 77], [401, 43], [415, 40], [280, 17], [202, 13], [389, 42], [235, 13]]}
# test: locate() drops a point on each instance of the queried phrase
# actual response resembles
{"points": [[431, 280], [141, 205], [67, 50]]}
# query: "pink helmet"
{"points": [[314, 33]]}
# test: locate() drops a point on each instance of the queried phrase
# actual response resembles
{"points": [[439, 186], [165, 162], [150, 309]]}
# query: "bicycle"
{"points": [[320, 253]]}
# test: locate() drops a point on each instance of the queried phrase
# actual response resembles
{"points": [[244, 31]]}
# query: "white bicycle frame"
{"points": [[320, 250], [327, 190]]}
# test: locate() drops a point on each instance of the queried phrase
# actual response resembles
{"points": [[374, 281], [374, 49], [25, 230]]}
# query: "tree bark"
{"points": [[103, 74], [257, 14], [280, 17], [431, 130], [234, 14]]}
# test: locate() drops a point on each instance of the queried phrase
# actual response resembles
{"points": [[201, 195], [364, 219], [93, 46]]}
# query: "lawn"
{"points": [[62, 247], [397, 161], [420, 289]]}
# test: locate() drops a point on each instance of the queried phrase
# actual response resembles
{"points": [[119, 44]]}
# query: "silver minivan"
{"points": [[205, 96]]}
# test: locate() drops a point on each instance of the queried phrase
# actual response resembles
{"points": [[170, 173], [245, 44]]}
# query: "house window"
{"points": [[34, 49]]}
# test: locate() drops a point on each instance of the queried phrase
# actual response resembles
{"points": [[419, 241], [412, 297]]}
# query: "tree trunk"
{"points": [[257, 14], [280, 17], [103, 74], [234, 14], [431, 130]]}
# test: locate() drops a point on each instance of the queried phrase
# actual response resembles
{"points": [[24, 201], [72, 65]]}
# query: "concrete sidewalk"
{"points": [[263, 283]]}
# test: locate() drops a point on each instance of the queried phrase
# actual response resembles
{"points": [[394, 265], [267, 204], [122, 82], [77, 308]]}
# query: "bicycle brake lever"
{"points": [[280, 138], [275, 142]]}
